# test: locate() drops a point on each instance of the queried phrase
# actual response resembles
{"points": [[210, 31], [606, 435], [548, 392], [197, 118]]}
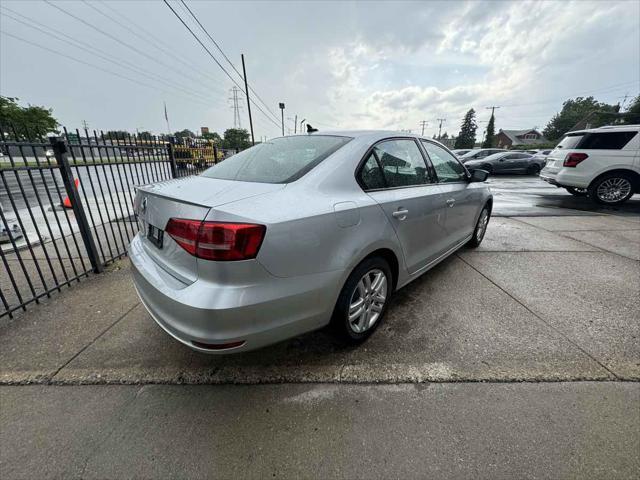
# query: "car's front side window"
{"points": [[446, 166], [402, 163]]}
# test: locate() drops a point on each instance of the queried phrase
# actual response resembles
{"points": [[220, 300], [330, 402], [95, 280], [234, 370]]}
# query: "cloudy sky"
{"points": [[345, 65]]}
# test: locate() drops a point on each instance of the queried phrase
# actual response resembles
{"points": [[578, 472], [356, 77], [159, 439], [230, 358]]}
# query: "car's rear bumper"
{"points": [[563, 178], [257, 314]]}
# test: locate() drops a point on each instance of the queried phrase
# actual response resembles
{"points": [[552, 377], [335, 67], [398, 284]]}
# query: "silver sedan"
{"points": [[298, 233]]}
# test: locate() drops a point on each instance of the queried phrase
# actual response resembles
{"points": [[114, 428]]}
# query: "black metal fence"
{"points": [[66, 205]]}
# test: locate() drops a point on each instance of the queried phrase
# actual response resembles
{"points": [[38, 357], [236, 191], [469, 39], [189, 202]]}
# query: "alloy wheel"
{"points": [[483, 221], [613, 189], [367, 300]]}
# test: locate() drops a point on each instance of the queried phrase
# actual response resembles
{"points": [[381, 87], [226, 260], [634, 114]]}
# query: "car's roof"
{"points": [[607, 128], [369, 134]]}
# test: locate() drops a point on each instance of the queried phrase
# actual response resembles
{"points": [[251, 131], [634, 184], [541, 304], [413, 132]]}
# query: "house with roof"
{"points": [[509, 138]]}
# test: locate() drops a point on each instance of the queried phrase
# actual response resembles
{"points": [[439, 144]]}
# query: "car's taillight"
{"points": [[217, 240], [573, 159]]}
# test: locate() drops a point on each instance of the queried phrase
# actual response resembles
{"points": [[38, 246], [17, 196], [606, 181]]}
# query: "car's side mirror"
{"points": [[478, 175]]}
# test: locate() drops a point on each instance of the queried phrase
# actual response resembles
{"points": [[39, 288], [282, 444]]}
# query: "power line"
{"points": [[99, 53], [156, 42], [599, 90], [215, 59], [114, 38], [110, 72], [225, 56]]}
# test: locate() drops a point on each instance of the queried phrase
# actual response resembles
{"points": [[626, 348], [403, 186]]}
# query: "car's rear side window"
{"points": [[281, 160], [605, 140], [402, 163], [570, 141], [371, 177]]}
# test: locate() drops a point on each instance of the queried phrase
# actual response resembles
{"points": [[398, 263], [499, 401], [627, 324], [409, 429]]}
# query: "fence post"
{"points": [[60, 151], [172, 160]]}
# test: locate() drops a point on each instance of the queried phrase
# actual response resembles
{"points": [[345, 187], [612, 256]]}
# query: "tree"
{"points": [[214, 136], [145, 135], [578, 113], [445, 136], [186, 133], [491, 133], [28, 121], [116, 135], [632, 113], [467, 136], [236, 138]]}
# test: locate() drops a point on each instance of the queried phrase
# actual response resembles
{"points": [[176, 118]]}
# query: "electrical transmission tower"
{"points": [[236, 98]]}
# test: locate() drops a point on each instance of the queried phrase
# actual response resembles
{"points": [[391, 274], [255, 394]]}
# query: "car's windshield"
{"points": [[281, 160], [470, 153]]}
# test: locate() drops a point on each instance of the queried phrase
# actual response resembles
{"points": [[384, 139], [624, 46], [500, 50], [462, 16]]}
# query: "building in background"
{"points": [[510, 138]]}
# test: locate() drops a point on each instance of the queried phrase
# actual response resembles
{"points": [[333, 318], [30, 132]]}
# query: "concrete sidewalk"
{"points": [[579, 430], [543, 299]]}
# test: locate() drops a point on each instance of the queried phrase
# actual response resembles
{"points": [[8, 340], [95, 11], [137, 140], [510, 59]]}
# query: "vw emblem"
{"points": [[143, 205]]}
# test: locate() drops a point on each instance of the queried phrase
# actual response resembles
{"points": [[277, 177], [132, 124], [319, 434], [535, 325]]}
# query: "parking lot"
{"points": [[535, 332]]}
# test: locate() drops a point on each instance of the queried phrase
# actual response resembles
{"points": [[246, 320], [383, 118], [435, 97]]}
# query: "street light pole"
{"points": [[281, 105]]}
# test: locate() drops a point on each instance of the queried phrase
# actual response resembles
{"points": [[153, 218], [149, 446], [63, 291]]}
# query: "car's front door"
{"points": [[505, 163], [395, 175], [459, 200]]}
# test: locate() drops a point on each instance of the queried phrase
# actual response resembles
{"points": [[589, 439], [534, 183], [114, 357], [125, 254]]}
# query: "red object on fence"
{"points": [[66, 203]]}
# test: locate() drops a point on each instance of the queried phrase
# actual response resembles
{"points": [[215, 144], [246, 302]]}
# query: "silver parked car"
{"points": [[509, 162], [300, 232], [479, 153]]}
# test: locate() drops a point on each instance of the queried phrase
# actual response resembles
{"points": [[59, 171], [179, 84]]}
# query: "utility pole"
{"points": [[441, 120], [423, 124], [492, 108], [301, 124], [85, 125], [281, 105], [295, 125], [236, 107], [246, 92]]}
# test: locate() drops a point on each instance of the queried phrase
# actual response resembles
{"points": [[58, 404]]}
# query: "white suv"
{"points": [[603, 163]]}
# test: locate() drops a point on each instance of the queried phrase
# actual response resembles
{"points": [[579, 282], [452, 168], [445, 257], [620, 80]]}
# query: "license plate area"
{"points": [[155, 235]]}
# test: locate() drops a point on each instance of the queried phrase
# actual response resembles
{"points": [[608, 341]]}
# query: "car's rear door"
{"points": [[459, 201], [395, 175]]}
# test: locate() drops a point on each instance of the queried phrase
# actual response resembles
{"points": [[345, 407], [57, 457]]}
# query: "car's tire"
{"points": [[488, 168], [345, 322], [481, 227], [578, 192], [611, 188], [533, 169]]}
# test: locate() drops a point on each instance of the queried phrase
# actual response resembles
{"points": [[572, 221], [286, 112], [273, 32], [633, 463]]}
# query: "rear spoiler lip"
{"points": [[149, 191]]}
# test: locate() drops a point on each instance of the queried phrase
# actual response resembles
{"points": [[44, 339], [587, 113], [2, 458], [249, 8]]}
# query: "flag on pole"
{"points": [[166, 117]]}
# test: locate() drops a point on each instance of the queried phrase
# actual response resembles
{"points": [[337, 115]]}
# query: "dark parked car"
{"points": [[508, 162]]}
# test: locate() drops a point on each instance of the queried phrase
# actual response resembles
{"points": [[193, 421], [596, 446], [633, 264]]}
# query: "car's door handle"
{"points": [[451, 202], [400, 214]]}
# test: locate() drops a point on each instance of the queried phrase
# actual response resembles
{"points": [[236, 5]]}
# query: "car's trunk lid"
{"points": [[189, 198]]}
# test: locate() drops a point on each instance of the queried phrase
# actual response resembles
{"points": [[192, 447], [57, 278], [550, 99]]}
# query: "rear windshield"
{"points": [[281, 160], [597, 140]]}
